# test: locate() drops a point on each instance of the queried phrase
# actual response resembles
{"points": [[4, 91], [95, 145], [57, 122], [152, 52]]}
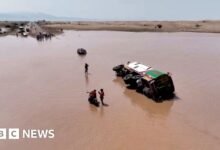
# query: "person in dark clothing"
{"points": [[92, 94], [101, 95], [86, 67], [92, 98]]}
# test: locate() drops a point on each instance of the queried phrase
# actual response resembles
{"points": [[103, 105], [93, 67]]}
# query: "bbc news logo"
{"points": [[15, 134]]}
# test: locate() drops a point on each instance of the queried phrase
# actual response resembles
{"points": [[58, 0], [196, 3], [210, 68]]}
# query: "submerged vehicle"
{"points": [[81, 51], [151, 82]]}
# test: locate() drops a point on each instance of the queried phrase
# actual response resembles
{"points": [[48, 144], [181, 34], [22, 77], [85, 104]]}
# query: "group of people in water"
{"points": [[42, 36], [93, 96]]}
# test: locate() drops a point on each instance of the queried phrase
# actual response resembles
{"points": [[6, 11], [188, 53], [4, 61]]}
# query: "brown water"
{"points": [[43, 86]]}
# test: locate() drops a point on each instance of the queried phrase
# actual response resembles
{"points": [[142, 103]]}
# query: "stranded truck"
{"points": [[151, 82]]}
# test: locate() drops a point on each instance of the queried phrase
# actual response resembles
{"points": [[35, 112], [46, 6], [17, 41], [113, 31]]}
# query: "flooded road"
{"points": [[43, 86]]}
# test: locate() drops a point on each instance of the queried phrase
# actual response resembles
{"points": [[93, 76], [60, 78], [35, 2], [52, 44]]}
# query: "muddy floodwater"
{"points": [[43, 86]]}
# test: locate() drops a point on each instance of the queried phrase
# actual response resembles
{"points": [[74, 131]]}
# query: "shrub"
{"points": [[159, 26], [198, 25]]}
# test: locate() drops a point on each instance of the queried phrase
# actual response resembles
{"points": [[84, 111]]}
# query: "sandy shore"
{"points": [[139, 26], [204, 26]]}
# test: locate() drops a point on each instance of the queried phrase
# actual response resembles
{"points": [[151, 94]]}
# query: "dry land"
{"points": [[204, 26], [139, 26]]}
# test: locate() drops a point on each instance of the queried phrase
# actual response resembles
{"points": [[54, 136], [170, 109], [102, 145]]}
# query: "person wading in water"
{"points": [[86, 67], [101, 95]]}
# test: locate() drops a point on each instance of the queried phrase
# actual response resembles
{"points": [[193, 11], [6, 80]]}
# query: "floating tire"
{"points": [[81, 51]]}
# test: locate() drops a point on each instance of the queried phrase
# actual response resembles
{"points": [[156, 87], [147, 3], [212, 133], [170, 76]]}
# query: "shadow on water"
{"points": [[105, 105], [93, 108], [81, 56], [87, 78], [98, 110], [146, 103]]}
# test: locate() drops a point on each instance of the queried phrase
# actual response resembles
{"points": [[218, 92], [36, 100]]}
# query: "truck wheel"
{"points": [[119, 73], [118, 68], [140, 86], [146, 91], [139, 89], [134, 79], [127, 78], [124, 72], [154, 95]]}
